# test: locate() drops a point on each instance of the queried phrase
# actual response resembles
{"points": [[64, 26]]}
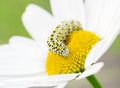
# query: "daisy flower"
{"points": [[65, 46]]}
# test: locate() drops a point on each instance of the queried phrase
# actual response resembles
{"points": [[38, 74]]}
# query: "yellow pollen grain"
{"points": [[79, 43]]}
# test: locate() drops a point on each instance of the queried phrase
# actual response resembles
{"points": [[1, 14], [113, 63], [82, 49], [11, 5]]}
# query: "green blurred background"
{"points": [[11, 24], [10, 17]]}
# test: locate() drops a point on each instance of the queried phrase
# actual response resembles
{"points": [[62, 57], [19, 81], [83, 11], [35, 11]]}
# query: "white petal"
{"points": [[101, 14], [91, 56], [93, 11], [93, 69], [59, 78], [27, 82], [26, 43], [20, 58], [38, 22], [41, 80], [22, 41], [101, 47], [14, 86], [68, 9], [1, 84]]}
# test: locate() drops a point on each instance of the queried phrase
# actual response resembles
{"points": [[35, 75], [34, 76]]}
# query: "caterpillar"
{"points": [[58, 36]]}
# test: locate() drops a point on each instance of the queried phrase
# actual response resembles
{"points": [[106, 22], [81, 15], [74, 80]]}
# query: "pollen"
{"points": [[79, 43]]}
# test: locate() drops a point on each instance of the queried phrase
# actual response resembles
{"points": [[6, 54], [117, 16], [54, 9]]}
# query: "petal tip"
{"points": [[93, 69], [28, 10]]}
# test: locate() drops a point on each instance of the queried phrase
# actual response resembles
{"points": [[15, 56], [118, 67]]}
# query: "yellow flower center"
{"points": [[79, 43]]}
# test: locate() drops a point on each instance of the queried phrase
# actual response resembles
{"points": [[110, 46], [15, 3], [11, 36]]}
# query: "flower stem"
{"points": [[94, 82]]}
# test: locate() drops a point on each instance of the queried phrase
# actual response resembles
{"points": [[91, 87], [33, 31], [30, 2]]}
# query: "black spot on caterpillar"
{"points": [[58, 35]]}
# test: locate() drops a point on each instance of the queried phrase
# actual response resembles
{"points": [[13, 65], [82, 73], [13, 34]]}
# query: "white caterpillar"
{"points": [[58, 36]]}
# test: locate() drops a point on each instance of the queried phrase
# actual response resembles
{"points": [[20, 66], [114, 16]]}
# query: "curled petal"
{"points": [[93, 69]]}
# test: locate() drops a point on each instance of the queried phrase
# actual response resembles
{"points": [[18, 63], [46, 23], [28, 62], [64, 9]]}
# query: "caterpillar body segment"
{"points": [[58, 36]]}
